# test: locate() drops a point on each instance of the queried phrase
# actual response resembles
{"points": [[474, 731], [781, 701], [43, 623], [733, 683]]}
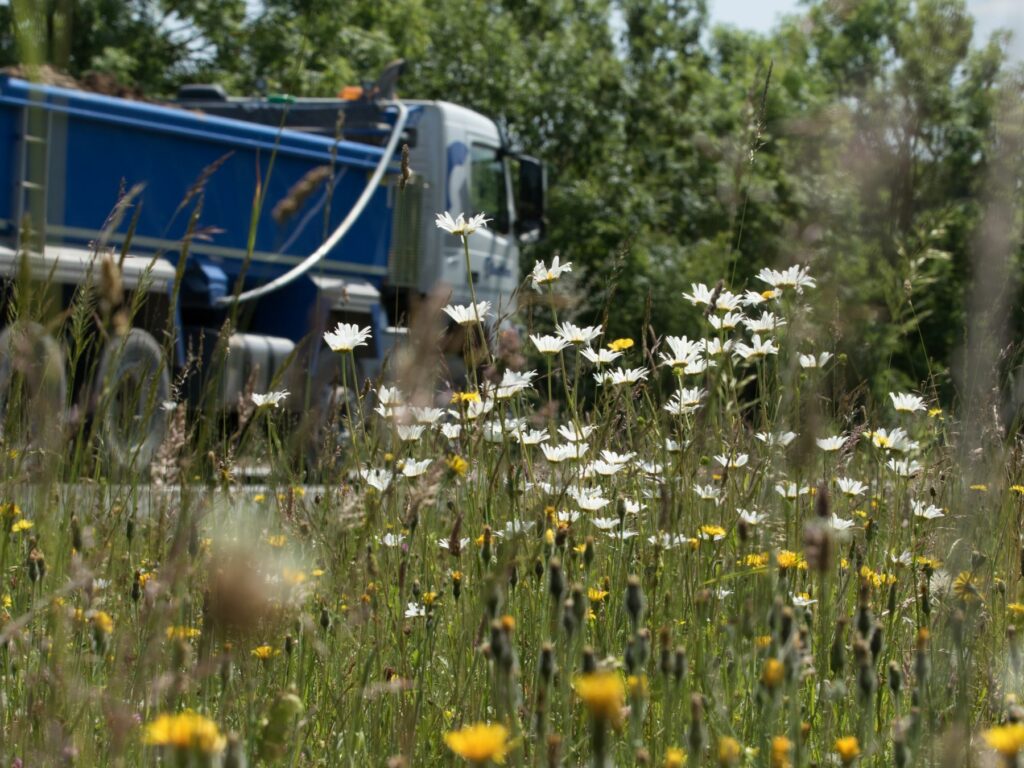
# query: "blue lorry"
{"points": [[248, 226]]}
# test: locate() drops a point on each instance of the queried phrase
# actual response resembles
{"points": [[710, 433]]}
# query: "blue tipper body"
{"points": [[98, 146]]}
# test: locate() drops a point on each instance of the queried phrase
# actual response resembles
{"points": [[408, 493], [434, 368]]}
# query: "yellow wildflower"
{"points": [[603, 695], [457, 465], [596, 595], [781, 747], [479, 743], [979, 487], [265, 652], [728, 751], [965, 587], [277, 541], [183, 633], [637, 685], [674, 758], [1007, 740], [186, 731], [21, 525], [772, 673], [787, 559], [465, 397], [10, 509], [848, 749], [756, 560], [620, 345], [1018, 489], [102, 622]]}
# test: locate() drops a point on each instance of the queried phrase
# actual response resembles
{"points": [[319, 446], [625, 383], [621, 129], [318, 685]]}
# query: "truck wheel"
{"points": [[134, 383], [33, 386]]}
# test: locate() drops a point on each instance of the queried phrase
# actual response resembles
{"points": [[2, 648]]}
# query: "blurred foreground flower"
{"points": [[273, 399], [479, 743], [185, 732]]}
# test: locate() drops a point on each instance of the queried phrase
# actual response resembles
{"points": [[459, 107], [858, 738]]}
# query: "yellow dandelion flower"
{"points": [[965, 586], [729, 751], [457, 465], [21, 525], [979, 487], [674, 758], [183, 633], [848, 749], [934, 412], [787, 559], [620, 345], [1018, 489], [772, 673], [603, 695], [596, 595], [1016, 611], [265, 652], [429, 598], [465, 397], [10, 509], [781, 747], [185, 731], [712, 531], [102, 622], [637, 685], [259, 498], [479, 743], [6, 601], [763, 641], [1007, 740], [756, 560]]}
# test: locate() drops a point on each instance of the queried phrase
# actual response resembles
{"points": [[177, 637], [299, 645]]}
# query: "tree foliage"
{"points": [[859, 137]]}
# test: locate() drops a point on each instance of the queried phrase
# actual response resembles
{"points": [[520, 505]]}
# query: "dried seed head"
{"points": [[634, 599], [556, 581]]}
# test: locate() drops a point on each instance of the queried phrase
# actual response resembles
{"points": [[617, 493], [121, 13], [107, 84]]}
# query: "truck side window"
{"points": [[487, 190]]}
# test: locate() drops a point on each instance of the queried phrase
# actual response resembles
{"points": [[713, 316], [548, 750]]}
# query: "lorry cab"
{"points": [[460, 162]]}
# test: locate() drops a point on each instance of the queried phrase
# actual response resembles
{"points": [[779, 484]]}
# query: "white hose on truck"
{"points": [[318, 255]]}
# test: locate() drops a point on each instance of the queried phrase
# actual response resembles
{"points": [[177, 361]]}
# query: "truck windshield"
{"points": [[487, 186]]}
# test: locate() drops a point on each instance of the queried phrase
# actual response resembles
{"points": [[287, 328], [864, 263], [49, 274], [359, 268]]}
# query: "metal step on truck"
{"points": [[232, 228]]}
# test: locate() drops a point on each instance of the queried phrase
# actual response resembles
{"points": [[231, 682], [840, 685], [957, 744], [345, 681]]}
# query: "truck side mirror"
{"points": [[531, 188]]}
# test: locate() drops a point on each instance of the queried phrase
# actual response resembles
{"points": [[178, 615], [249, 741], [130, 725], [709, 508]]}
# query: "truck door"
{"points": [[493, 252]]}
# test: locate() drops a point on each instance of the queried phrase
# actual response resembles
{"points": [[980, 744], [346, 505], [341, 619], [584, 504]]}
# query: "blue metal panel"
{"points": [[114, 143]]}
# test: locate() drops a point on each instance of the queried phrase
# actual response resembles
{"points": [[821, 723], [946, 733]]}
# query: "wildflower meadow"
{"points": [[646, 550]]}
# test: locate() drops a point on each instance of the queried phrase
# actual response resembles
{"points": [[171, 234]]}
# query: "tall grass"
{"points": [[693, 584]]}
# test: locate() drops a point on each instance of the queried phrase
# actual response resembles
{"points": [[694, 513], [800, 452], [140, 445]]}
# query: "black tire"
{"points": [[32, 371], [133, 382]]}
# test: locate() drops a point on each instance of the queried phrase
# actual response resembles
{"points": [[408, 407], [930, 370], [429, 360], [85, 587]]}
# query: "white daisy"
{"points": [[831, 444], [549, 345], [850, 487], [272, 399], [810, 361], [468, 314], [542, 275], [460, 226], [414, 468], [346, 337], [905, 402], [575, 334], [928, 512]]}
